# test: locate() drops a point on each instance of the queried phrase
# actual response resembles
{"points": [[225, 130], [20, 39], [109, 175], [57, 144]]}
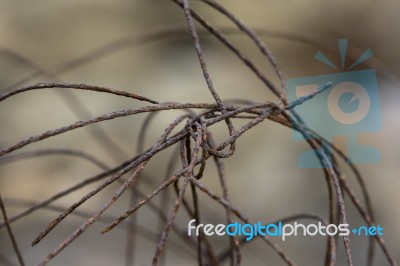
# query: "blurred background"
{"points": [[264, 178]]}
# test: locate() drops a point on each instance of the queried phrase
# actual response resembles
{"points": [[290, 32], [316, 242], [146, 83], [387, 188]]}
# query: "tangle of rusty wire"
{"points": [[196, 145]]}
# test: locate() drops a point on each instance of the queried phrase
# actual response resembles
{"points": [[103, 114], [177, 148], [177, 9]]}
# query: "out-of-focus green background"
{"points": [[264, 179]]}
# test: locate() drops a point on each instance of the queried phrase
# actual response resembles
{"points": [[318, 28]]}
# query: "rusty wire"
{"points": [[198, 117]]}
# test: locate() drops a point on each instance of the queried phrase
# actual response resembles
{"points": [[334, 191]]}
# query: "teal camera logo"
{"points": [[349, 108]]}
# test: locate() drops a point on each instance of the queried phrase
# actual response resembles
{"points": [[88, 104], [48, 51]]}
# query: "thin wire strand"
{"points": [[93, 218], [80, 86], [258, 42], [10, 233]]}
